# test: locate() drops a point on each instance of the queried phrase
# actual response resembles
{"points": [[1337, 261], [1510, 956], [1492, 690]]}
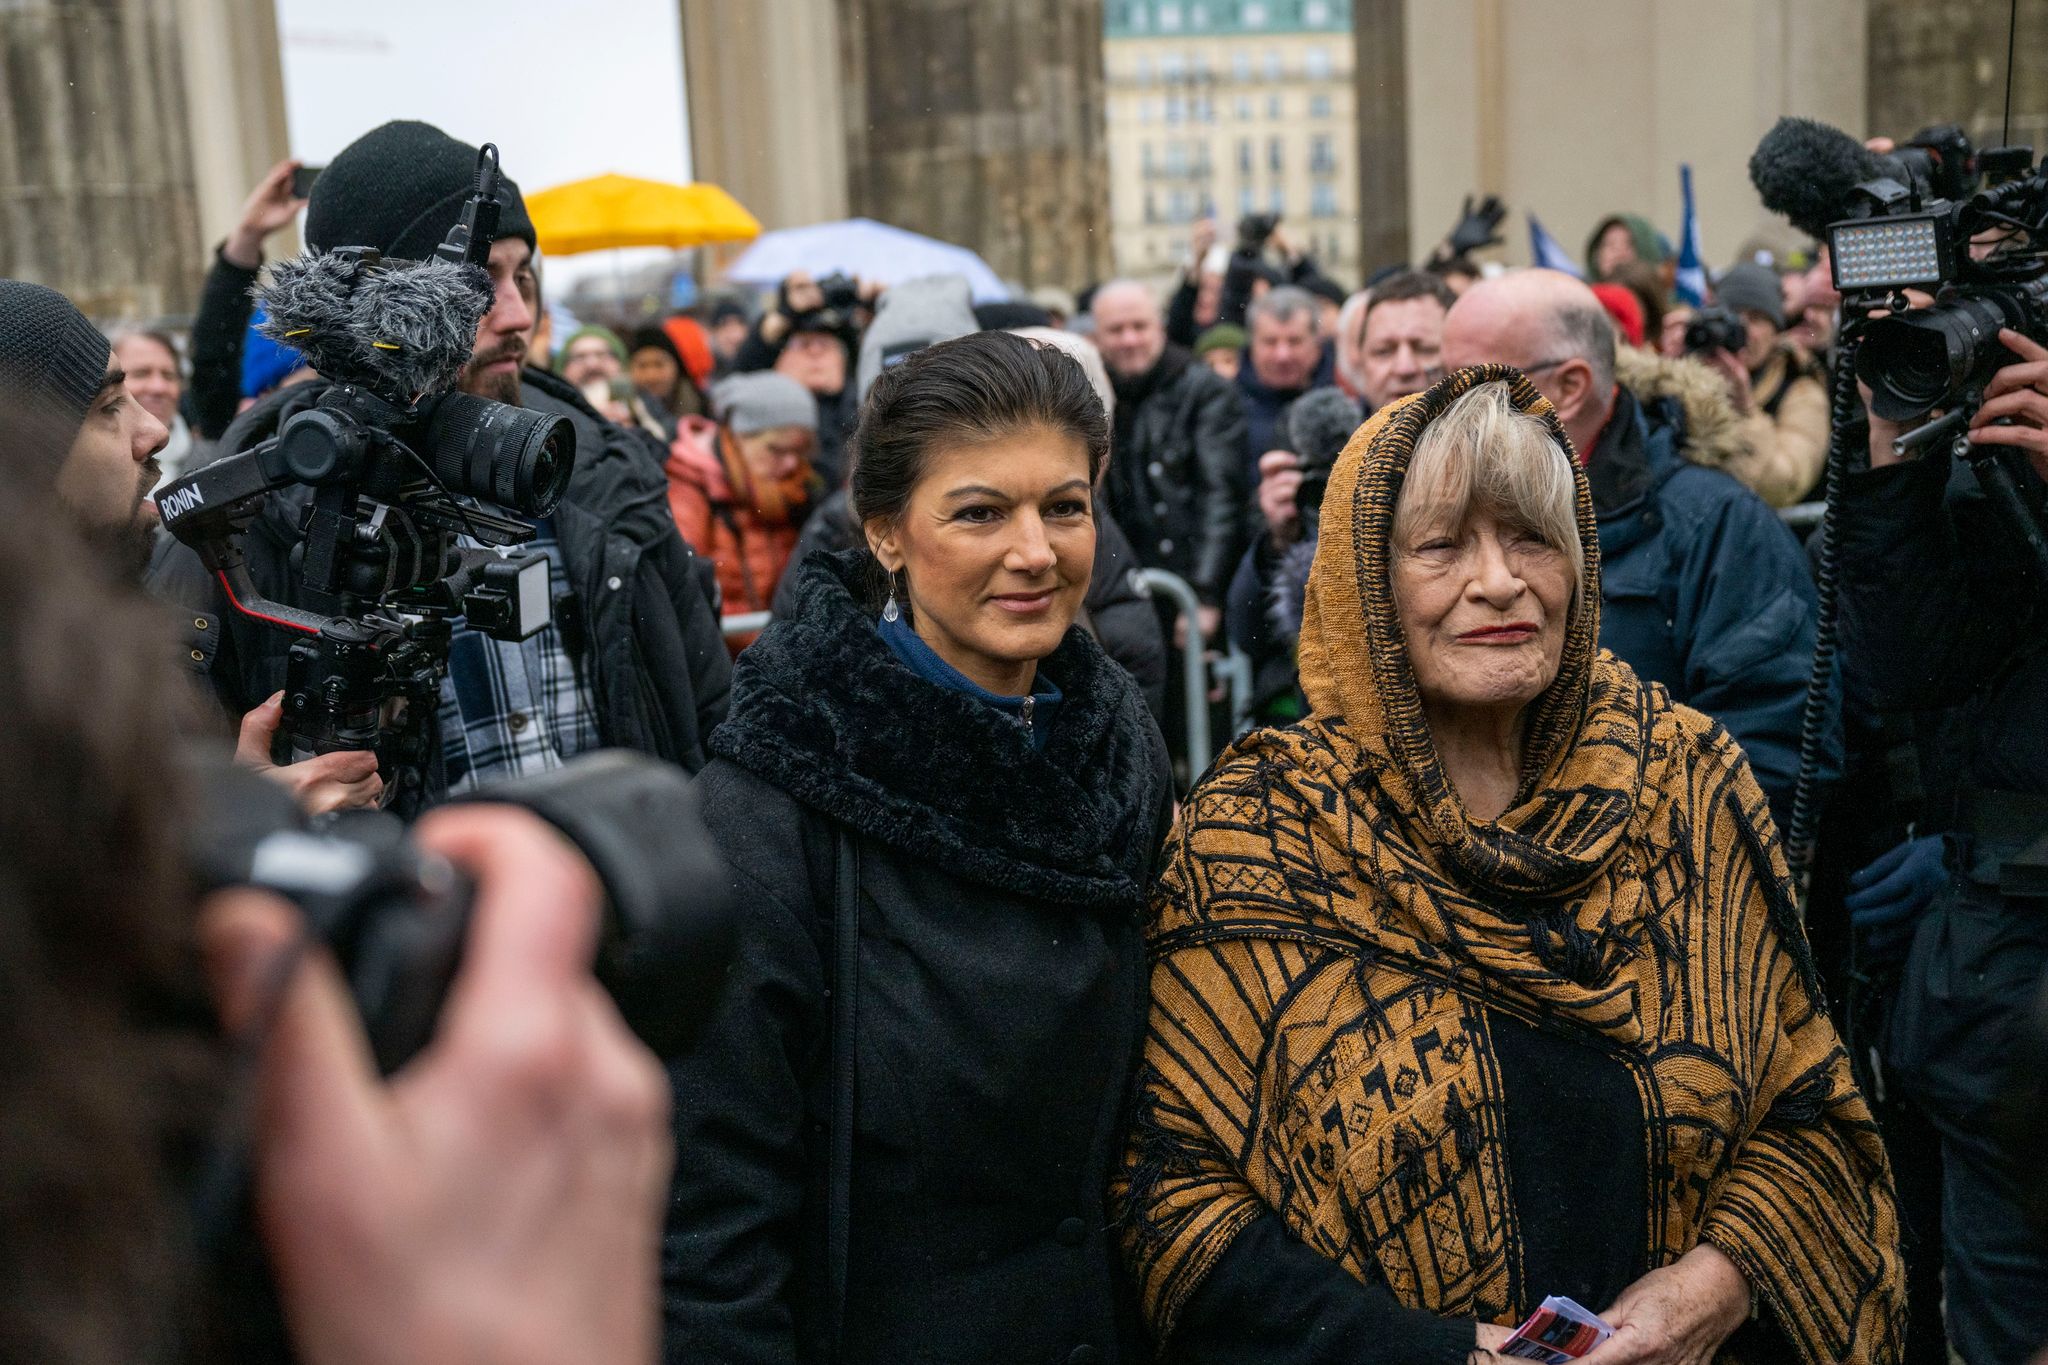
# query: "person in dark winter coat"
{"points": [[1286, 358], [900, 1125], [634, 658], [1702, 588], [1176, 478]]}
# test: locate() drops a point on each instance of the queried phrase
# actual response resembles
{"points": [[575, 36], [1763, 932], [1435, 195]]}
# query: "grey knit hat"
{"points": [[761, 400], [52, 365], [912, 316], [1752, 288], [399, 188]]}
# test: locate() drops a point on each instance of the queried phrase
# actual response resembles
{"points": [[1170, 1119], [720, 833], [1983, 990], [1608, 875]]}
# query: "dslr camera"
{"points": [[401, 470], [1715, 328]]}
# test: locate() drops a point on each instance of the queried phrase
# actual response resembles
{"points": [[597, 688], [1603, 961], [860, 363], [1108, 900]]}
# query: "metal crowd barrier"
{"points": [[745, 623], [1804, 516]]}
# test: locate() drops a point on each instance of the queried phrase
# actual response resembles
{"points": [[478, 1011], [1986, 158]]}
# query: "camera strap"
{"points": [[845, 998]]}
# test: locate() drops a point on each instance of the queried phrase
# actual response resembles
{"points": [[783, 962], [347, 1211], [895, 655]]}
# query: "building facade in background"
{"points": [[1220, 108]]}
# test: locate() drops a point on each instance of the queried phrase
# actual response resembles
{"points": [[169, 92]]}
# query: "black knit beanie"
{"points": [[52, 364], [399, 188]]}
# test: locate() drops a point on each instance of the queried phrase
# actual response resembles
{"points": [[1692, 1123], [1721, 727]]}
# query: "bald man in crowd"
{"points": [[1175, 480], [1702, 588]]}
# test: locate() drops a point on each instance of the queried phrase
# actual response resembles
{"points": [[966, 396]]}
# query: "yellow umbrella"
{"points": [[617, 210]]}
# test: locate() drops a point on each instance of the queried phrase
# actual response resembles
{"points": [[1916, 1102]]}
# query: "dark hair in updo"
{"points": [[980, 387]]}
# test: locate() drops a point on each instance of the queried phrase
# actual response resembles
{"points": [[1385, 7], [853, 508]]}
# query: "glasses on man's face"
{"points": [[1542, 365]]}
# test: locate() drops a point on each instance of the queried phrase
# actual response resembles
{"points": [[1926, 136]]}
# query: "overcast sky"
{"points": [[565, 90]]}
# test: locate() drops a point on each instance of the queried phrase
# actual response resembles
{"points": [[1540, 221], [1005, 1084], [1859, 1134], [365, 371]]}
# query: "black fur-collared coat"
{"points": [[1001, 996]]}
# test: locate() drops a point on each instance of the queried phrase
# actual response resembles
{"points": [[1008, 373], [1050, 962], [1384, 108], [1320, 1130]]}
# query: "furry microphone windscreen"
{"points": [[1805, 171], [1319, 423], [400, 330]]}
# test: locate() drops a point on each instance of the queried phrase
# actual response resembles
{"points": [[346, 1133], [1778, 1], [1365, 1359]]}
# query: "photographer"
{"points": [[499, 1202], [1775, 386], [633, 658], [1941, 609], [811, 335]]}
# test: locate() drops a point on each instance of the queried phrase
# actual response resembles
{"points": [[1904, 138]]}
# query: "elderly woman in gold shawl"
{"points": [[1485, 982]]}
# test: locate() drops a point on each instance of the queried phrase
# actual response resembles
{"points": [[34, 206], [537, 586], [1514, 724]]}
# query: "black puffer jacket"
{"points": [[1176, 479], [1119, 608], [643, 621], [1000, 1001]]}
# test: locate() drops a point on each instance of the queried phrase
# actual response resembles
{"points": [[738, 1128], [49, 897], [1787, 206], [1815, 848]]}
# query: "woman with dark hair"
{"points": [[943, 801]]}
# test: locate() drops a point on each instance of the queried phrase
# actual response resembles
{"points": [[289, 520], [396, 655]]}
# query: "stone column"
{"points": [[235, 109], [767, 106], [980, 122], [96, 177], [1382, 80]]}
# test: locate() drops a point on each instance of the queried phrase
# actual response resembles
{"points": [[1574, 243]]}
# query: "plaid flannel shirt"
{"points": [[513, 708]]}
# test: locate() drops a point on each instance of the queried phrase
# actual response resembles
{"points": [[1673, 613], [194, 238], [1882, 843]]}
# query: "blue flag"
{"points": [[1691, 283], [1547, 252]]}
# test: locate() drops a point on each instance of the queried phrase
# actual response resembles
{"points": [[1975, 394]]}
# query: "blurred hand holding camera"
{"points": [[2018, 393], [1279, 484], [499, 1198]]}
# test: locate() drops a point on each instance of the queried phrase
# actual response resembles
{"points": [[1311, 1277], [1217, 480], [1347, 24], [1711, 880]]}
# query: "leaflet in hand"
{"points": [[1559, 1332]]}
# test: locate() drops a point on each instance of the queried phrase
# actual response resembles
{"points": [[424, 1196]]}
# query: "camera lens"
{"points": [[1916, 361], [519, 459]]}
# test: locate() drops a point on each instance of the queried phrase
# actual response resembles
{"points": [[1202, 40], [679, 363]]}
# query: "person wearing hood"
{"points": [[814, 345], [633, 658], [740, 486], [1622, 238], [944, 802], [1706, 591], [1486, 981]]}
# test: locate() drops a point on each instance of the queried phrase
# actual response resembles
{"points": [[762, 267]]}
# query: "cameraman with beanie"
{"points": [[69, 427], [633, 658]]}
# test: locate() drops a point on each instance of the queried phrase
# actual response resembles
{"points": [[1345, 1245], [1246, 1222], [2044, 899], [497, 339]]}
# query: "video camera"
{"points": [[399, 465], [1942, 218]]}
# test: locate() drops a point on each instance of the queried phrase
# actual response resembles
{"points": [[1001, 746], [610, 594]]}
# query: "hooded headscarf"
{"points": [[1334, 928]]}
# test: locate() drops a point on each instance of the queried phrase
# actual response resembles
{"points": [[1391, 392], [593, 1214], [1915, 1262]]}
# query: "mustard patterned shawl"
{"points": [[1333, 926]]}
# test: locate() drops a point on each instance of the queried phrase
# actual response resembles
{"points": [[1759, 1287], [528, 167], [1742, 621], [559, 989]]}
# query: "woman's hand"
{"points": [[1677, 1315]]}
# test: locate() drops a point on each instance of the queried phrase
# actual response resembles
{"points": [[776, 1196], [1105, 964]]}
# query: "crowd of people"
{"points": [[1474, 972]]}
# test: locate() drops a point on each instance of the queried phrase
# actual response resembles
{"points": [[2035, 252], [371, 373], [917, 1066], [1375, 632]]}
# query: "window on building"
{"points": [[1276, 107], [1169, 16], [1315, 13], [1322, 155], [1176, 158], [1144, 71], [1144, 111], [1247, 202], [1240, 65], [1318, 106], [1315, 63], [1322, 200], [1252, 14], [1276, 154], [1140, 17], [1172, 68], [1198, 17], [1277, 203], [1175, 108], [1151, 207], [1177, 206], [1244, 108], [1244, 156], [1145, 156], [1198, 64], [1274, 69]]}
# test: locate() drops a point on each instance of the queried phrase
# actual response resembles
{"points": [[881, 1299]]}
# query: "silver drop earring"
{"points": [[890, 611]]}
